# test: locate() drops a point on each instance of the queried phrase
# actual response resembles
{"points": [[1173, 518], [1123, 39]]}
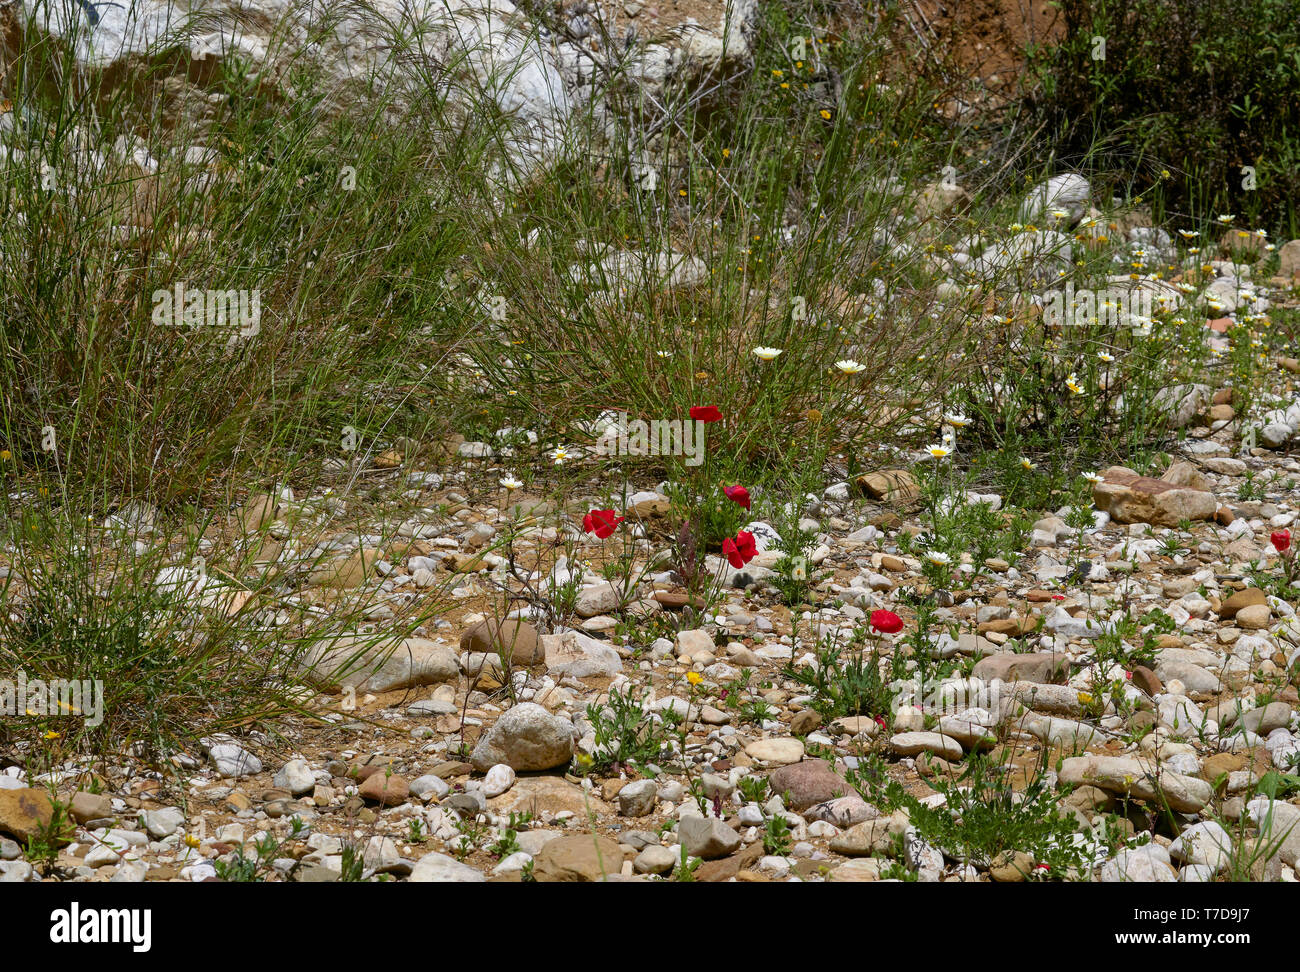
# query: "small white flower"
{"points": [[1189, 234], [559, 455], [663, 354], [767, 354], [938, 451], [1027, 464], [509, 482], [1226, 217], [1094, 477], [938, 557], [850, 367], [1104, 356], [956, 419]]}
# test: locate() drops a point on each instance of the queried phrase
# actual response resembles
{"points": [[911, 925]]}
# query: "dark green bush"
{"points": [[1192, 88]]}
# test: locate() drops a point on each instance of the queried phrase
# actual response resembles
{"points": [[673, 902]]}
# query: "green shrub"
{"points": [[1190, 88]]}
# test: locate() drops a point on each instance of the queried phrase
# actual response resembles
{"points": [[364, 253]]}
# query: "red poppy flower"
{"points": [[886, 621], [1281, 540], [880, 721], [706, 413], [741, 550], [737, 494], [602, 523]]}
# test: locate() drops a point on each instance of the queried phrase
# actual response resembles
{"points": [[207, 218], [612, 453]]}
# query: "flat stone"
{"points": [[581, 857], [914, 743], [581, 656], [512, 635], [1131, 498], [1138, 867], [439, 868], [378, 665], [1138, 778], [1030, 667], [781, 751], [894, 485]]}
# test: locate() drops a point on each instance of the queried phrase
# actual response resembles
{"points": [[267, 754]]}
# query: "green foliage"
{"points": [[1195, 90], [625, 732], [242, 868], [984, 816], [839, 686], [776, 835]]}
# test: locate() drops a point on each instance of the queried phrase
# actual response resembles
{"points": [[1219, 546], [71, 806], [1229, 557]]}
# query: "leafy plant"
{"points": [[855, 686]]}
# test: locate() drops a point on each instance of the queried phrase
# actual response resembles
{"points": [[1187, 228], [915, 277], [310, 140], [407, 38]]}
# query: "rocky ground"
{"points": [[434, 764]]}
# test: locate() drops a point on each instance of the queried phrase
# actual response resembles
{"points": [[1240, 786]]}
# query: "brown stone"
{"points": [[1219, 765], [25, 813], [1030, 667], [1146, 680], [894, 485], [386, 790], [1011, 867], [346, 572], [1241, 599], [1289, 257], [1242, 243], [725, 868], [258, 510], [678, 599], [582, 857], [497, 637], [804, 722], [1008, 626], [1186, 475], [808, 782], [1223, 516], [90, 806], [1131, 498]]}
